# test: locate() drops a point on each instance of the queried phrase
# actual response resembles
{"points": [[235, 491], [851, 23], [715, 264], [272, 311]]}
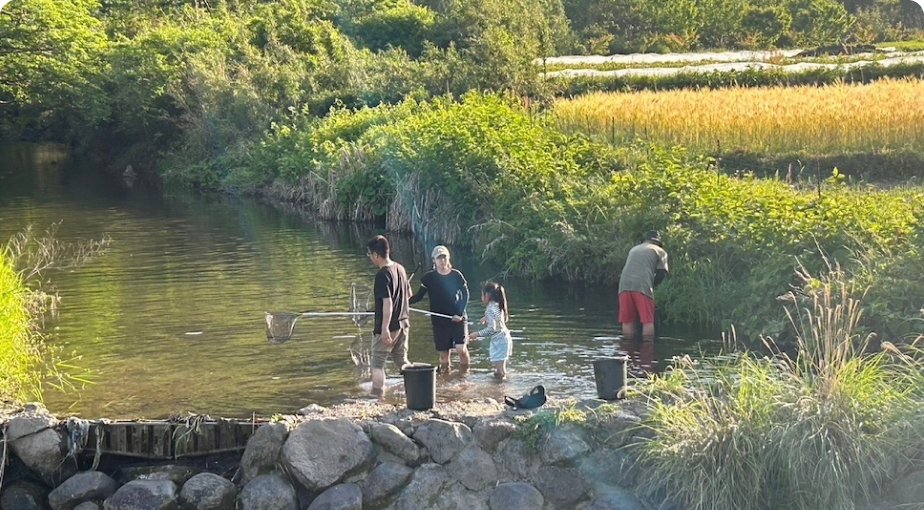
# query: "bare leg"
{"points": [[628, 329], [500, 369], [464, 358], [445, 362], [648, 330], [378, 381]]}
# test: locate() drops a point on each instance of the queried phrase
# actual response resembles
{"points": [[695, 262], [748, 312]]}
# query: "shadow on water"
{"points": [[171, 319]]}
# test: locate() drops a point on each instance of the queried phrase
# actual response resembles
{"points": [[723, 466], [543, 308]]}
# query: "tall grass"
{"points": [[20, 352], [829, 426], [886, 115]]}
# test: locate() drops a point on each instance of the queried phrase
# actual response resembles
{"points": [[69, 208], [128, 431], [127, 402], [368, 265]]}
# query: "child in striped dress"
{"points": [[495, 320]]}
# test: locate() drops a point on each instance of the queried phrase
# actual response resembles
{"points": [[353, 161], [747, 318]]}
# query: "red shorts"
{"points": [[636, 304]]}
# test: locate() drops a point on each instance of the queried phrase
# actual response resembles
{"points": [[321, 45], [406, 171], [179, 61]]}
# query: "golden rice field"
{"points": [[882, 116]]}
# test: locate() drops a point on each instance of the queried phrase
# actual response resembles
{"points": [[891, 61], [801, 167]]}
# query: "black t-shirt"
{"points": [[391, 282], [448, 293]]}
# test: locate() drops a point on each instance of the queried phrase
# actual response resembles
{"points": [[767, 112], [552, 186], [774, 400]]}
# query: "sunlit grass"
{"points": [[882, 116], [20, 353], [829, 427]]}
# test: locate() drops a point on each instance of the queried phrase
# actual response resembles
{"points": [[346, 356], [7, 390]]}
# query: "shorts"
{"points": [[501, 347], [397, 350], [636, 304], [448, 335]]}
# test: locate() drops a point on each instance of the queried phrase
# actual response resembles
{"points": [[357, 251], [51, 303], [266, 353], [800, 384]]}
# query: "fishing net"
{"points": [[361, 300], [279, 326]]}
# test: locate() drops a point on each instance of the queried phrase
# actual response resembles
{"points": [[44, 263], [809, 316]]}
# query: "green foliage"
{"points": [[51, 68], [830, 427], [817, 22], [404, 26]]}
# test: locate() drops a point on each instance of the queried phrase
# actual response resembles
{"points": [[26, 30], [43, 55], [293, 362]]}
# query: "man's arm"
{"points": [[386, 321], [660, 275]]}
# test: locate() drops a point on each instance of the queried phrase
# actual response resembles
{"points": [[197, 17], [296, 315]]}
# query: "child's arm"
{"points": [[492, 316]]}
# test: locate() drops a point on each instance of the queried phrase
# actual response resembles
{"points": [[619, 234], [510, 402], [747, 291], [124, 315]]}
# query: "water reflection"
{"points": [[171, 320]]}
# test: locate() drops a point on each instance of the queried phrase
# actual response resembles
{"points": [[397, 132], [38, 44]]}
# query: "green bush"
{"points": [[405, 26]]}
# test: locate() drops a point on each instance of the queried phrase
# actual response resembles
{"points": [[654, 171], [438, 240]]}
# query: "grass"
{"points": [[20, 345], [883, 116], [828, 426]]}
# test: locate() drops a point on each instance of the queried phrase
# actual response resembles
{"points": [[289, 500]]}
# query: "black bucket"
{"points": [[610, 376], [420, 386]]}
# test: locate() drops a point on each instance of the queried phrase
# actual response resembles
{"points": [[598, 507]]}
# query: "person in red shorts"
{"points": [[646, 267]]}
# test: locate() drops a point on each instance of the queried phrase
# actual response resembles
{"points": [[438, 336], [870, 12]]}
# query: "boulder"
{"points": [[424, 489], [346, 496], [34, 439], [564, 445], [618, 428], [616, 500], [22, 496], [384, 482], [263, 449], [608, 467], [172, 472], [517, 460], [563, 487], [269, 492], [490, 433], [320, 453], [87, 505], [143, 495], [86, 486], [909, 490], [443, 439], [208, 491], [515, 496], [473, 468], [457, 497], [394, 441]]}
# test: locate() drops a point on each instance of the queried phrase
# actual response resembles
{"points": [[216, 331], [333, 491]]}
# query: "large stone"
{"points": [[86, 486], [425, 488], [473, 468], [909, 490], [175, 473], [22, 496], [143, 495], [616, 500], [517, 460], [515, 496], [269, 492], [618, 428], [490, 433], [457, 497], [384, 482], [34, 439], [208, 491], [564, 445], [608, 467], [320, 453], [346, 496], [443, 439], [563, 487], [394, 441], [263, 449], [87, 505]]}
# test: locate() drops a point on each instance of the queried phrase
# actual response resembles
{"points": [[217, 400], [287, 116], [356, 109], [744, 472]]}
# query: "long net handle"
{"points": [[435, 314]]}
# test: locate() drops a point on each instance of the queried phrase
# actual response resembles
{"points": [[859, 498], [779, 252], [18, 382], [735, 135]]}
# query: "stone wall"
{"points": [[459, 456]]}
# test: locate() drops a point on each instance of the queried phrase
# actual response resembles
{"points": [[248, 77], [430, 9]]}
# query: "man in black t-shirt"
{"points": [[390, 331]]}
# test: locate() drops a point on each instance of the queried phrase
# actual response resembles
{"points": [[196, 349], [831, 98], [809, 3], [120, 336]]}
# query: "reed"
{"points": [[887, 115], [830, 427], [20, 351]]}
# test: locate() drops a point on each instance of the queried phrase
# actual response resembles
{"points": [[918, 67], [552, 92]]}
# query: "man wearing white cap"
{"points": [[448, 296]]}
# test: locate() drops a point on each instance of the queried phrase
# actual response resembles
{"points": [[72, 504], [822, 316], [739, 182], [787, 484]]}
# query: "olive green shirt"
{"points": [[641, 265]]}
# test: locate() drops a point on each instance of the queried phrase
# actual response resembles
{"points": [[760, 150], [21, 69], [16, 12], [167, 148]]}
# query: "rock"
{"points": [[443, 439], [425, 488], [22, 496], [346, 496], [394, 441], [384, 482], [608, 467], [320, 453], [33, 438], [86, 486], [563, 487], [515, 496], [564, 444], [617, 429], [208, 491], [143, 495], [491, 433], [616, 500], [457, 497], [263, 449], [517, 460], [269, 492], [172, 472], [473, 468], [87, 505]]}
